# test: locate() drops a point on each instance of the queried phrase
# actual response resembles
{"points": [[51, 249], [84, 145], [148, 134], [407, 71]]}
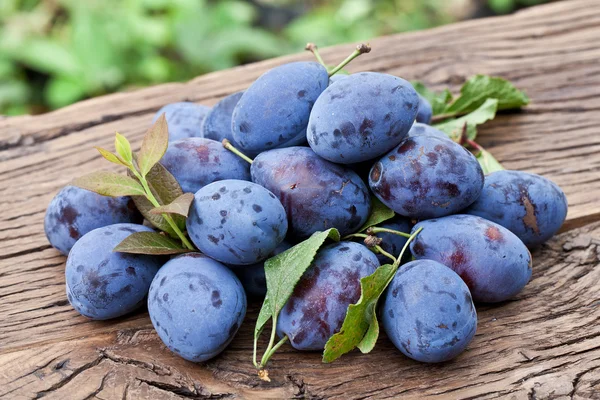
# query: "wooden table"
{"points": [[543, 344]]}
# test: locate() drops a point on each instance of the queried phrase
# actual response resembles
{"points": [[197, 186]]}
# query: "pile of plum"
{"points": [[322, 148]]}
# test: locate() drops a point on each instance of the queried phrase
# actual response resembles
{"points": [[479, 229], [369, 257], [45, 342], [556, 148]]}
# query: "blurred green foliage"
{"points": [[56, 52]]}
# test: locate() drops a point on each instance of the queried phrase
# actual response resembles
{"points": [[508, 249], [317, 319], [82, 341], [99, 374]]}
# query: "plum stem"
{"points": [[355, 235], [270, 349], [360, 49], [385, 253], [155, 203], [315, 50], [410, 239], [227, 144], [375, 229]]}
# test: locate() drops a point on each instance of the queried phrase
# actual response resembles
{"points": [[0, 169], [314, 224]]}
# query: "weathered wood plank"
{"points": [[544, 343], [547, 342]]}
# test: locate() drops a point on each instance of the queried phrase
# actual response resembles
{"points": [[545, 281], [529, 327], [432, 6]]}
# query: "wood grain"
{"points": [[545, 344]]}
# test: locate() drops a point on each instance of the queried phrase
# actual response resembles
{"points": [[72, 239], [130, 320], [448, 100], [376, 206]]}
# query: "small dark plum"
{"points": [[426, 177], [196, 305], [73, 212], [391, 242], [529, 205], [236, 222], [419, 129], [492, 260], [428, 312], [316, 309], [425, 112], [103, 284], [275, 109], [196, 162], [361, 117], [316, 194], [253, 276], [184, 119], [217, 124]]}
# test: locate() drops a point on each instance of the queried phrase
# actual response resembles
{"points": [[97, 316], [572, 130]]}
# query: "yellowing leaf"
{"points": [[181, 206], [123, 148], [110, 184], [113, 158], [154, 145]]}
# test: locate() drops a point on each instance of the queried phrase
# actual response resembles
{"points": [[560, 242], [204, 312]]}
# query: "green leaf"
{"points": [[123, 148], [480, 88], [110, 184], [454, 127], [360, 316], [488, 163], [438, 101], [165, 189], [149, 243], [113, 158], [283, 273], [379, 213], [360, 328], [181, 206], [154, 145]]}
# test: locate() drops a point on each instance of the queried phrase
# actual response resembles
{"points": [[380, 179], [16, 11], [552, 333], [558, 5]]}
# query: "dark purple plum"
{"points": [[103, 284], [425, 112], [361, 117], [253, 276], [196, 305], [529, 205], [196, 162], [317, 308], [426, 177], [236, 222], [73, 212], [184, 119], [217, 124], [317, 195], [275, 109], [492, 261], [419, 129], [428, 312]]}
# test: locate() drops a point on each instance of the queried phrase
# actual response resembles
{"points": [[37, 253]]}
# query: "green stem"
{"points": [[167, 217], [375, 229], [315, 50], [268, 355], [355, 235], [360, 49], [268, 352], [385, 253], [410, 239], [227, 144], [255, 351]]}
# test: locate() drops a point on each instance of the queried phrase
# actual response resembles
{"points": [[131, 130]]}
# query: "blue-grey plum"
{"points": [[253, 276], [428, 312], [492, 261], [361, 117], [317, 308], [419, 129], [531, 206], [73, 212], [391, 242], [196, 305], [236, 222], [426, 177], [316, 194], [336, 78], [196, 162], [275, 109], [217, 124], [425, 112], [184, 119], [103, 284]]}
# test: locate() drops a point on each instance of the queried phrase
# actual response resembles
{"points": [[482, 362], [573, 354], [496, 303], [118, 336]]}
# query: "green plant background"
{"points": [[56, 52]]}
